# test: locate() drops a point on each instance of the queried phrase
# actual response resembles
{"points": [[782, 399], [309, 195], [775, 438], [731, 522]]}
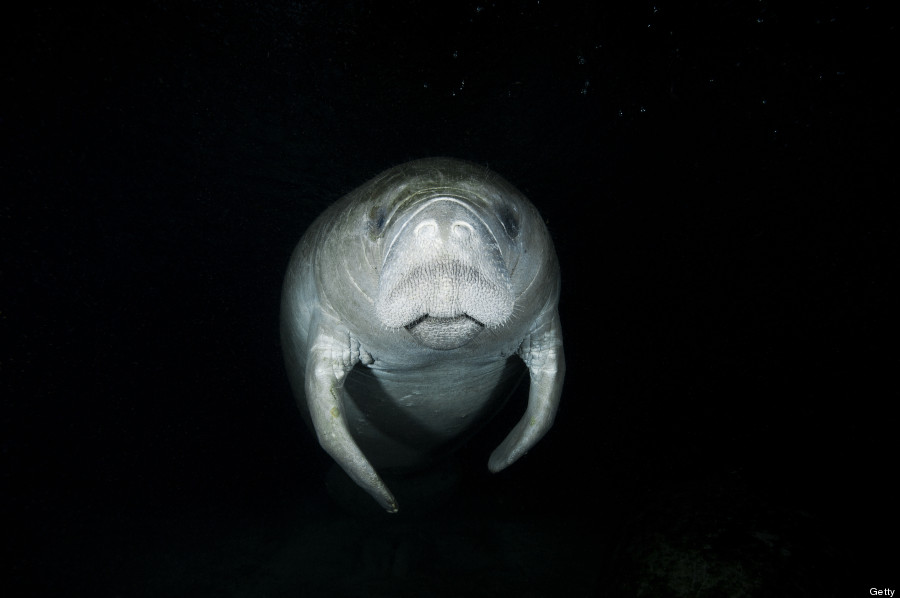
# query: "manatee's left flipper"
{"points": [[542, 352]]}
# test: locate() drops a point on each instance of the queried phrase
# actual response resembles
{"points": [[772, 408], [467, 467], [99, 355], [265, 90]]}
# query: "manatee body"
{"points": [[407, 310]]}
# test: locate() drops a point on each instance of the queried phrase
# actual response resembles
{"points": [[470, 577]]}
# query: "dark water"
{"points": [[716, 177]]}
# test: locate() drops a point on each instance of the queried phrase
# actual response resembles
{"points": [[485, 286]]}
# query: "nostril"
{"points": [[461, 229], [427, 228]]}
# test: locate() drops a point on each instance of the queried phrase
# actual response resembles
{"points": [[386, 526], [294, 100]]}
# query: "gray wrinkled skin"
{"points": [[405, 308]]}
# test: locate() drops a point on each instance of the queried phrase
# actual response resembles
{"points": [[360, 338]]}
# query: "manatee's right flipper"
{"points": [[328, 363]]}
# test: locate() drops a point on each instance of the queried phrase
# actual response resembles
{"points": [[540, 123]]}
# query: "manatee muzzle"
{"points": [[444, 304]]}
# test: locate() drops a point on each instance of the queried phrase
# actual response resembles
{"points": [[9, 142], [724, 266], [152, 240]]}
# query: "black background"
{"points": [[717, 178]]}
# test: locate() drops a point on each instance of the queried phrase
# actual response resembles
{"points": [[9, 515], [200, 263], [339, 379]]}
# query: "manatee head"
{"points": [[452, 255]]}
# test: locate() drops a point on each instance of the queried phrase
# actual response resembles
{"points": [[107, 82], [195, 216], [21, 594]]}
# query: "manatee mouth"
{"points": [[444, 333]]}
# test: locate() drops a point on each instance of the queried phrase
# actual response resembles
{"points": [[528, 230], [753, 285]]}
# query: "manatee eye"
{"points": [[377, 219], [509, 220]]}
